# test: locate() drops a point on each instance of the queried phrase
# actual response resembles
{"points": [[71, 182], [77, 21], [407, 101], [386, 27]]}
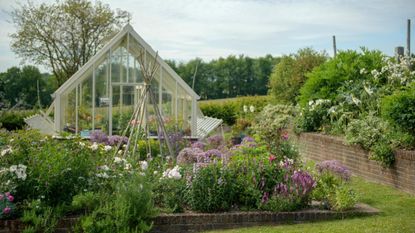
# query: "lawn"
{"points": [[398, 214]]}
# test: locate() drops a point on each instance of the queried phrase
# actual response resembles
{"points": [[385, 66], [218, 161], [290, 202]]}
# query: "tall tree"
{"points": [[24, 88], [63, 35], [290, 74]]}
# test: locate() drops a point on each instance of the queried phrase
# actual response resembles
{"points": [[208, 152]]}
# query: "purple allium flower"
{"points": [[303, 182], [215, 140], [248, 141], [214, 153], [115, 139], [98, 136], [334, 167], [199, 145], [189, 155]]}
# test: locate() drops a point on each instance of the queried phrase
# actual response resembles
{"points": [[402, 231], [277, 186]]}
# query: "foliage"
{"points": [[39, 217], [272, 123], [211, 189], [63, 35], [130, 210], [289, 74], [399, 109], [332, 186], [313, 117], [19, 88], [232, 109], [14, 120], [325, 80], [227, 77], [171, 195]]}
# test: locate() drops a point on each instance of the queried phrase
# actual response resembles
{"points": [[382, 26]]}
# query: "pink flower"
{"points": [[11, 198], [1, 197], [7, 210], [285, 136], [7, 194], [272, 158]]}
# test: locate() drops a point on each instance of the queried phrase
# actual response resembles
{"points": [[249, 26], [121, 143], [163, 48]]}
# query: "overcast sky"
{"points": [[185, 29]]}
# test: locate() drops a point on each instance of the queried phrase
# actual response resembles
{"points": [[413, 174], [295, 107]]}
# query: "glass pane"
{"points": [[102, 99], [69, 118], [85, 103]]}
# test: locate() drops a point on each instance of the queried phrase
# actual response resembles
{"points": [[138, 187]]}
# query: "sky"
{"points": [[185, 29]]}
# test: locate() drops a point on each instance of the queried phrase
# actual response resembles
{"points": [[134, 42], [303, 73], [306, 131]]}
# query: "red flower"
{"points": [[272, 158]]}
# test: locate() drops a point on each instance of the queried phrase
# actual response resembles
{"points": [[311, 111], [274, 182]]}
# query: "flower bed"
{"points": [[112, 193]]}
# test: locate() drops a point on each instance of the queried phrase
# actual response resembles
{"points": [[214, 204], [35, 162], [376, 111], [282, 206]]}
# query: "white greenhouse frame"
{"points": [[110, 82]]}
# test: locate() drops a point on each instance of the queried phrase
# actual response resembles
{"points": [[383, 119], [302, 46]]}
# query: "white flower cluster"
{"points": [[172, 173], [94, 146], [118, 160], [143, 165], [6, 151], [251, 108], [313, 104], [19, 170]]}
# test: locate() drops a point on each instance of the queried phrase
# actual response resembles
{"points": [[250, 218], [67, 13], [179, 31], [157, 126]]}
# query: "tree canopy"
{"points": [[64, 35], [19, 88], [290, 74], [227, 77]]}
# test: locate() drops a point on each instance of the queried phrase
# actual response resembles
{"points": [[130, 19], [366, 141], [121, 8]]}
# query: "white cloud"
{"points": [[184, 29]]}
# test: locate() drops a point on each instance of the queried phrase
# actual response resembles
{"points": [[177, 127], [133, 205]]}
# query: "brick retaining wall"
{"points": [[196, 222], [320, 147]]}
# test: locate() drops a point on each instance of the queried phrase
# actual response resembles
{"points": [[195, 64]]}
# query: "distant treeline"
{"points": [[227, 77]]}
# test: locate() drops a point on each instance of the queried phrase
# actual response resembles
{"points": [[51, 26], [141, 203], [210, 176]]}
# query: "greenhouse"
{"points": [[103, 93]]}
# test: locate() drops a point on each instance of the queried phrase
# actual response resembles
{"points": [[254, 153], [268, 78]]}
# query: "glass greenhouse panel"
{"points": [[102, 96], [85, 113], [70, 112]]}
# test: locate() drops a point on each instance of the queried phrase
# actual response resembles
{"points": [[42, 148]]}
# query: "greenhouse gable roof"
{"points": [[128, 29]]}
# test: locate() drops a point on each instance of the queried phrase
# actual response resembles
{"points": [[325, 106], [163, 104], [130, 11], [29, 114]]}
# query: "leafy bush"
{"points": [[130, 210], [14, 120], [374, 134], [170, 194], [224, 111], [272, 122], [367, 131], [313, 117], [325, 81], [212, 189], [289, 74], [230, 109], [399, 109], [332, 186]]}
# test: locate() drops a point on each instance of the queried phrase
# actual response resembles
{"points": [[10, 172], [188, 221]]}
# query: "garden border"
{"points": [[319, 147], [196, 222]]}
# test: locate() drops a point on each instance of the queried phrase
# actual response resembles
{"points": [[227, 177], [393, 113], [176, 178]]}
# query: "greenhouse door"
{"points": [[124, 98]]}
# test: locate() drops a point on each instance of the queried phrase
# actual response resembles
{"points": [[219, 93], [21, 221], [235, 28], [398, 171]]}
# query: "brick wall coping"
{"points": [[399, 153], [196, 222]]}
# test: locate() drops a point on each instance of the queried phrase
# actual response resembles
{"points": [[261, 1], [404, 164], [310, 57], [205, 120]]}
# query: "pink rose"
{"points": [[1, 197], [11, 198], [7, 194], [7, 210]]}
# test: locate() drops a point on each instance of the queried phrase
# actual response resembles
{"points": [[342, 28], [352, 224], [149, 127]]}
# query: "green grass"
{"points": [[398, 214]]}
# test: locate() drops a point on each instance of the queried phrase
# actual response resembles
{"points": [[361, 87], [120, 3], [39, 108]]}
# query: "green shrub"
{"points": [[212, 189], [333, 190], [399, 109], [325, 81], [14, 120], [230, 109], [289, 74], [130, 209], [313, 117], [367, 131], [382, 152], [272, 122], [170, 194], [224, 111]]}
